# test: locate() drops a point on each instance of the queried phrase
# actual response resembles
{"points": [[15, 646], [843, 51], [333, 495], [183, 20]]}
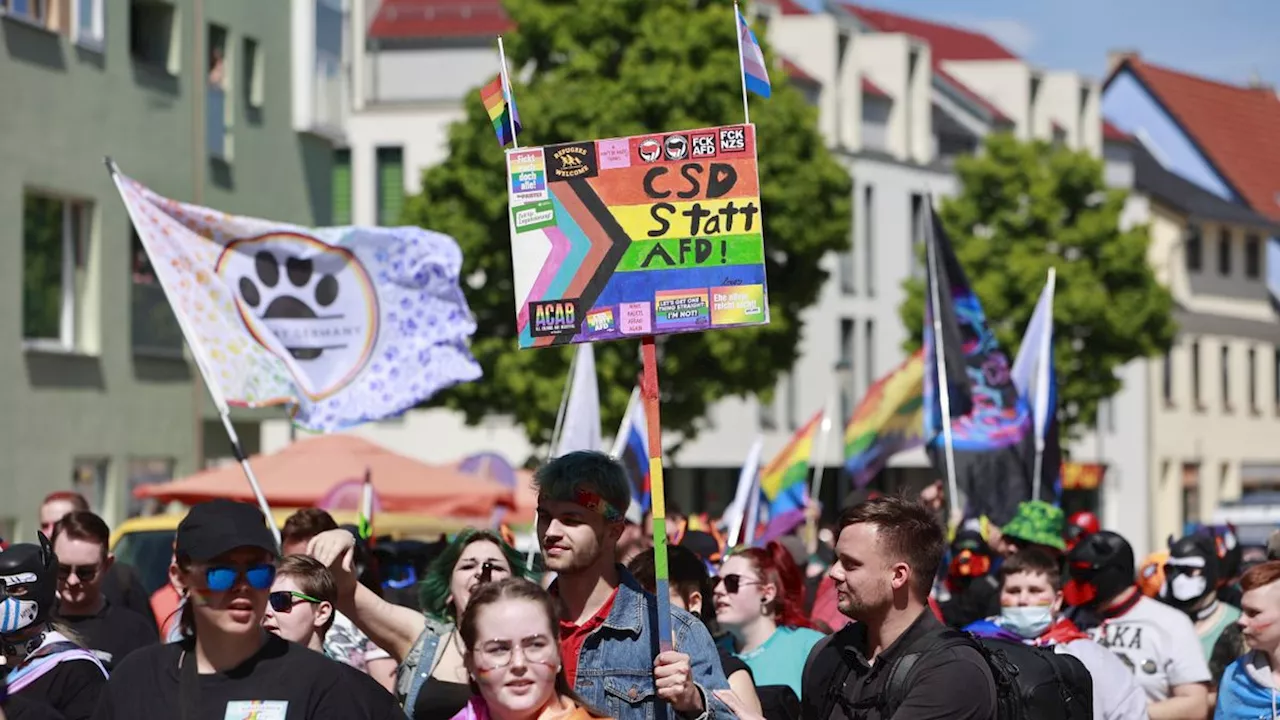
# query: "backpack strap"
{"points": [[829, 670], [895, 689]]}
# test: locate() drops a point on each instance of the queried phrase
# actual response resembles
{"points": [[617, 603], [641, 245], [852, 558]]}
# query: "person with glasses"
{"points": [[45, 662], [759, 599], [300, 606], [80, 541], [512, 654], [122, 585], [227, 665]]}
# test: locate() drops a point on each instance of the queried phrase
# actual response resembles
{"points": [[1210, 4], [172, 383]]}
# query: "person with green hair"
{"points": [[432, 680]]}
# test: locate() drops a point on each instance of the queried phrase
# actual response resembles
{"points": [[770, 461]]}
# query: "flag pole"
{"points": [[506, 91], [944, 392], [819, 468], [198, 354], [657, 489], [564, 405], [742, 70], [1042, 393]]}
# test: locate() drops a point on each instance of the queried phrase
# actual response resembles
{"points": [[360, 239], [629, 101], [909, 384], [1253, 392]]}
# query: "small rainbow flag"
{"points": [[889, 420], [502, 111], [784, 480]]}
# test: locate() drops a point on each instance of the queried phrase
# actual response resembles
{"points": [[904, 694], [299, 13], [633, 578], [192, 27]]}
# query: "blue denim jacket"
{"points": [[615, 666]]}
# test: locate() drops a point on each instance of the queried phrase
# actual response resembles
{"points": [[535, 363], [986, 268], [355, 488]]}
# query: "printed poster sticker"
{"points": [[572, 161], [556, 317], [601, 321], [614, 154], [534, 216], [636, 318], [528, 175], [681, 309], [257, 710], [737, 304]]}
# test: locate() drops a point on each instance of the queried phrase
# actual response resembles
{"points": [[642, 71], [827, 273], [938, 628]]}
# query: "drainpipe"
{"points": [[198, 163]]}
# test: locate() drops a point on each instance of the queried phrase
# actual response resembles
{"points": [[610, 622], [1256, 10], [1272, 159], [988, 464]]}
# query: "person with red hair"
{"points": [[759, 598]]}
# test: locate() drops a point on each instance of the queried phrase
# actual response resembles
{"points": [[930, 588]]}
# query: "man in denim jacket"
{"points": [[608, 624]]}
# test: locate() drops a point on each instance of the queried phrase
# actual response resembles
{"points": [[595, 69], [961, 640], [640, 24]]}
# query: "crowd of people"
{"points": [[887, 616]]}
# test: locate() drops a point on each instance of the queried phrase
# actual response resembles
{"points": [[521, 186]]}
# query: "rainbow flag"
{"points": [[785, 480], [888, 421], [502, 111]]}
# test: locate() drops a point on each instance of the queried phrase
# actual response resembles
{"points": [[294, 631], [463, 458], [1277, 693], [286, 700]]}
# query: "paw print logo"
{"points": [[307, 302]]}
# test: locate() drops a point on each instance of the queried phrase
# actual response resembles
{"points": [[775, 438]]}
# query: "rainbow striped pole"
{"points": [[649, 393]]}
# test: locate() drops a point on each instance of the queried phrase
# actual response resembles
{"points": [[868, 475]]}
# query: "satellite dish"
{"points": [[490, 465]]}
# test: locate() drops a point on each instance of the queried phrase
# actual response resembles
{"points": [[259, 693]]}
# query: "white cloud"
{"points": [[1015, 35]]}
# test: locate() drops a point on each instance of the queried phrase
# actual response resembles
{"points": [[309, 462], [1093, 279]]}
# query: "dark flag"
{"points": [[990, 423]]}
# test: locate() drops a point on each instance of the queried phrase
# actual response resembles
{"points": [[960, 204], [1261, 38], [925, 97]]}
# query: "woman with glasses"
{"points": [[227, 665], [432, 679], [511, 640], [300, 606], [759, 599]]}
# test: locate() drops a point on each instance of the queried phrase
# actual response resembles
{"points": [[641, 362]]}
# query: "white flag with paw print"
{"points": [[348, 324]]}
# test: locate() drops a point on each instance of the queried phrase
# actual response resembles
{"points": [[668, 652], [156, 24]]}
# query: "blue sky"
{"points": [[1231, 42]]}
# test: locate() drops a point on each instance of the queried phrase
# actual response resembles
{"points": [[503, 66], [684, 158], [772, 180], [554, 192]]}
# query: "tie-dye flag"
{"points": [[347, 325], [889, 420], [785, 481], [502, 111]]}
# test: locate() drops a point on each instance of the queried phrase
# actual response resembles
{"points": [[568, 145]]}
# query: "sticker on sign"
{"points": [[534, 216]]}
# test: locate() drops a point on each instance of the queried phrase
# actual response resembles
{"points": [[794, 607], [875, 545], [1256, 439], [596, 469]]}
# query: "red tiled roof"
{"points": [[1237, 128], [439, 18], [974, 97], [795, 72], [1111, 133], [946, 41], [870, 88]]}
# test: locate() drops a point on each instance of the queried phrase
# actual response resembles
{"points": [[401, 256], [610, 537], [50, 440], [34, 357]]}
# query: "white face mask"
{"points": [[1027, 621], [1186, 588], [16, 614]]}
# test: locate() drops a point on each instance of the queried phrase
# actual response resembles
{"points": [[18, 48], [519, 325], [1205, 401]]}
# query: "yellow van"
{"points": [[146, 543]]}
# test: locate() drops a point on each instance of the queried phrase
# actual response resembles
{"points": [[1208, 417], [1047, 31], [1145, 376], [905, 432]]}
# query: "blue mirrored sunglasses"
{"points": [[221, 578]]}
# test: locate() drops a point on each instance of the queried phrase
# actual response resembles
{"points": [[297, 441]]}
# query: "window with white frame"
{"points": [[48, 14], [54, 250], [90, 23]]}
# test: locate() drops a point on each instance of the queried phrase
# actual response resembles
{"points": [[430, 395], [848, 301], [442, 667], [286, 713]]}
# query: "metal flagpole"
{"points": [[742, 70], [506, 91], [202, 364], [944, 392], [1042, 377], [819, 465]]}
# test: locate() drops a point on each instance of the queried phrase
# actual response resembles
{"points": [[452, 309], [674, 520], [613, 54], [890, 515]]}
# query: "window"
{"points": [[1167, 378], [769, 413], [1252, 257], [1275, 378], [90, 23], [845, 368], [50, 15], [218, 105], [390, 185], [1224, 252], [793, 402], [89, 478], [1195, 376], [1191, 492], [846, 267], [154, 329], [869, 352], [147, 471], [54, 248], [1224, 368], [917, 233], [1253, 380], [869, 237], [153, 33], [342, 186], [1194, 248], [255, 91]]}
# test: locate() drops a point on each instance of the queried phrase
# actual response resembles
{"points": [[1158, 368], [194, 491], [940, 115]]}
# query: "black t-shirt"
{"points": [[72, 688], [441, 699], [731, 664], [123, 588], [283, 681], [113, 633], [19, 708]]}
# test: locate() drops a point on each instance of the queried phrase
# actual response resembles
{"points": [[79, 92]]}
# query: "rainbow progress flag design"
{"points": [[888, 421], [784, 481], [502, 111]]}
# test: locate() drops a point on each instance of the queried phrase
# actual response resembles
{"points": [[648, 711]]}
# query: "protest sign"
{"points": [[646, 235]]}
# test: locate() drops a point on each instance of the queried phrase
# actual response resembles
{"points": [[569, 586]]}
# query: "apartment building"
{"points": [[193, 99], [1204, 177]]}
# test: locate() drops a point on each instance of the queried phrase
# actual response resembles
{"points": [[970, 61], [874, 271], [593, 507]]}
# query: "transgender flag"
{"points": [[631, 447], [753, 69]]}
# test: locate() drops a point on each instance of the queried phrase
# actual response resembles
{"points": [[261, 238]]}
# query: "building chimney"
{"points": [[1115, 57]]}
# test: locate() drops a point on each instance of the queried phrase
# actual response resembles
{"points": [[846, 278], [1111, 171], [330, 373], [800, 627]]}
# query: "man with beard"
{"points": [[887, 554], [608, 623]]}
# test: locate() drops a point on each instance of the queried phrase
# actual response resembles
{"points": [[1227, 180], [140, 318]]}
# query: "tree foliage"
{"points": [[1024, 207], [587, 69]]}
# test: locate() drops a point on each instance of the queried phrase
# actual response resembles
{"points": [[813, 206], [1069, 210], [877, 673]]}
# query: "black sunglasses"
{"points": [[86, 573], [282, 601], [733, 582]]}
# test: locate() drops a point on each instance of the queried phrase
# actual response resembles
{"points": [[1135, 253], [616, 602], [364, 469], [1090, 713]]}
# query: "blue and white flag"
{"points": [[1035, 377], [345, 324]]}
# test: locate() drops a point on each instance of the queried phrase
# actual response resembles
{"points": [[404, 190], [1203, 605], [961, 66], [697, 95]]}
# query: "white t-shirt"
{"points": [[346, 644], [1116, 693], [1158, 644]]}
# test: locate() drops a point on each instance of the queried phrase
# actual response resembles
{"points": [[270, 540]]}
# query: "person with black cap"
{"points": [[45, 665], [1156, 642], [227, 664]]}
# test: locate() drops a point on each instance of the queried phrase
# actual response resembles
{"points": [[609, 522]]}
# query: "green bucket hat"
{"points": [[1039, 523]]}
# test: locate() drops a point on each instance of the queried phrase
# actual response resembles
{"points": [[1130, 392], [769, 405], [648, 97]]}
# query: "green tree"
{"points": [[1024, 207], [586, 69]]}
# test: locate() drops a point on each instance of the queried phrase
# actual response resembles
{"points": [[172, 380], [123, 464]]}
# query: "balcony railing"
{"points": [[216, 121]]}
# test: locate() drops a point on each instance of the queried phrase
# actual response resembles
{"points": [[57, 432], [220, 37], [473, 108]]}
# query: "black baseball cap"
{"points": [[219, 526]]}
